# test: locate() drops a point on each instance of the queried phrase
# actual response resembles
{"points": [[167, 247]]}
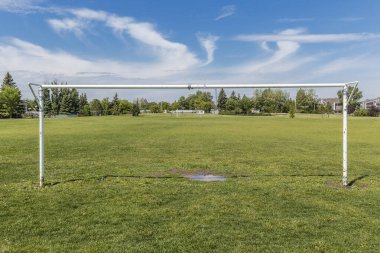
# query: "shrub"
{"points": [[135, 109], [292, 110], [361, 113], [373, 111]]}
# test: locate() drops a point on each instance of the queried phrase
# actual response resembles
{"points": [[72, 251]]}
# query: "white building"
{"points": [[189, 111], [334, 102], [371, 102]]}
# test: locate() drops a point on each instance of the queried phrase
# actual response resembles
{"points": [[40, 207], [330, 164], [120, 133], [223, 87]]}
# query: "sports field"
{"points": [[117, 184]]}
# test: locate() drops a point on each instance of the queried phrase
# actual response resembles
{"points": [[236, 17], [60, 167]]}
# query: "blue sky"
{"points": [[198, 41]]}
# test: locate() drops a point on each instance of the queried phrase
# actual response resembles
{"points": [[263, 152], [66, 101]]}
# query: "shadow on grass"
{"points": [[350, 186], [104, 177], [299, 175], [101, 178], [351, 183]]}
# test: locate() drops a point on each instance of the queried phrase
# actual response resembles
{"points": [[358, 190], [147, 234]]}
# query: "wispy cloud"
{"points": [[68, 25], [208, 44], [168, 58], [283, 51], [226, 11], [17, 5], [26, 6], [175, 56], [341, 64], [294, 20], [309, 38], [264, 45], [30, 57]]}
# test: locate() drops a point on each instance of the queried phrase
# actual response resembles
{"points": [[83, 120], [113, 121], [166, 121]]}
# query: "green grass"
{"points": [[115, 184]]}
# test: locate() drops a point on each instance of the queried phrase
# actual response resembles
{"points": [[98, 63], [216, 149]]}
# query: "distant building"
{"points": [[189, 111], [334, 102], [371, 102], [23, 107], [214, 111]]}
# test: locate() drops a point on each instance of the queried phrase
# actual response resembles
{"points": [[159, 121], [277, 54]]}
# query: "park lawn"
{"points": [[116, 184]]}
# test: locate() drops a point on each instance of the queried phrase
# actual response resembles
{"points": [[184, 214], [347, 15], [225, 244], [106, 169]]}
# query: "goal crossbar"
{"points": [[40, 98]]}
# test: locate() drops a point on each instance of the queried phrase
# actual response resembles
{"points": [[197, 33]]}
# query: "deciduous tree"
{"points": [[355, 100], [95, 107], [10, 97]]}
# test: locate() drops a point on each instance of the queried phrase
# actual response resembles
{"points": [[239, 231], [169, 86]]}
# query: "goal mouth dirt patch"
{"points": [[207, 178]]}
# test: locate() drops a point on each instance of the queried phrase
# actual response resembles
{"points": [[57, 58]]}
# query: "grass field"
{"points": [[115, 184]]}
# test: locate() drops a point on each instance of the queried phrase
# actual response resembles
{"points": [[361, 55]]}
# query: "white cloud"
{"points": [[89, 14], [294, 20], [12, 5], [208, 44], [172, 61], [264, 45], [175, 56], [287, 65], [309, 38], [24, 6], [342, 64], [226, 11], [293, 31], [68, 25], [19, 55], [274, 63]]}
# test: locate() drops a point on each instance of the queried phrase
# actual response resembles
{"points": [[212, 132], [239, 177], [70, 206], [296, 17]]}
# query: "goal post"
{"points": [[40, 100]]}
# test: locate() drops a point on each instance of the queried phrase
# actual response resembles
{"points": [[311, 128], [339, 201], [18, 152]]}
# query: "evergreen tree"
{"points": [[66, 102], [82, 103], [74, 101], [8, 80], [56, 96], [233, 95], [115, 105], [47, 102], [135, 109], [222, 100]]}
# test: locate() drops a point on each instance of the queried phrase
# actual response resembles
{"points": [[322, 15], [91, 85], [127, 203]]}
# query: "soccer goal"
{"points": [[39, 97]]}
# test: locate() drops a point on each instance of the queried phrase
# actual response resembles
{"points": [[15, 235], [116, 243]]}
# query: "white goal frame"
{"points": [[40, 98]]}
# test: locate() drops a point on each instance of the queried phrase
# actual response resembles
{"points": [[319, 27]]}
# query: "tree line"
{"points": [[69, 101]]}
